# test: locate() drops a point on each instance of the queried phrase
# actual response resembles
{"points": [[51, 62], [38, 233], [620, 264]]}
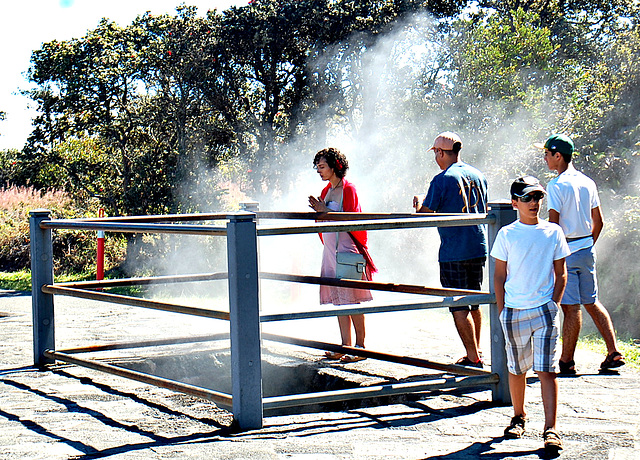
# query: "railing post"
{"points": [[505, 214], [41, 274], [246, 366]]}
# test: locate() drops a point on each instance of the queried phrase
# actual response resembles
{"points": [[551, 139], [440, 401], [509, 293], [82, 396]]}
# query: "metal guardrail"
{"points": [[241, 231]]}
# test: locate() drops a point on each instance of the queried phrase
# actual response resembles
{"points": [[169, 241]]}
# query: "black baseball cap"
{"points": [[524, 185]]}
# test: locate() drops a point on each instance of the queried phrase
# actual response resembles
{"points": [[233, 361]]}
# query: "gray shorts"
{"points": [[582, 284]]}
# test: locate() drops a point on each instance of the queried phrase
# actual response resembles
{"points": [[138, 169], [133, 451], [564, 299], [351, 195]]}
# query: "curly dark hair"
{"points": [[335, 160]]}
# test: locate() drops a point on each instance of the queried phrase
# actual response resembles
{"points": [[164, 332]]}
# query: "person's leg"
{"points": [[476, 316], [570, 331], [465, 275], [466, 331], [545, 343], [516, 326], [570, 303], [345, 329], [517, 387], [549, 389], [358, 325], [602, 320], [475, 269], [599, 314]]}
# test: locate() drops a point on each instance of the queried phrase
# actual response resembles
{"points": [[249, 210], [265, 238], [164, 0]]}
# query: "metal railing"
{"points": [[246, 400]]}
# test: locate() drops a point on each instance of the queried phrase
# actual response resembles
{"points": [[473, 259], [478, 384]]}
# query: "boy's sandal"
{"points": [[515, 429], [552, 441], [568, 368], [612, 361], [333, 355]]}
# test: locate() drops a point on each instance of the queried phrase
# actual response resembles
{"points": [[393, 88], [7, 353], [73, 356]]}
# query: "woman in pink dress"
{"points": [[340, 195]]}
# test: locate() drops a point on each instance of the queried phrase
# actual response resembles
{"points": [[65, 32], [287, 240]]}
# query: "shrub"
{"points": [[74, 252]]}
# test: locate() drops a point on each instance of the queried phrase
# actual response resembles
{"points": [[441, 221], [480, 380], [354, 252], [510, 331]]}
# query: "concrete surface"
{"points": [[68, 412]]}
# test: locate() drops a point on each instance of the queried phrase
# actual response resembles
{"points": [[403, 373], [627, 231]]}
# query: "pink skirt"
{"points": [[332, 294]]}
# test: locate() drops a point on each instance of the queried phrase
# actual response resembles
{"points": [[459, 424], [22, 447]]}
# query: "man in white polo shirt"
{"points": [[574, 204]]}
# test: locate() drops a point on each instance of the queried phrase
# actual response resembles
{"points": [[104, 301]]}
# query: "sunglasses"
{"points": [[536, 196]]}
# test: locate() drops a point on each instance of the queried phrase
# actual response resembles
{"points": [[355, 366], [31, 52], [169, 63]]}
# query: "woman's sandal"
{"points": [[333, 355], [352, 358], [611, 362]]}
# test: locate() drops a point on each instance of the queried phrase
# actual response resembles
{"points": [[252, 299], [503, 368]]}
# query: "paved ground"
{"points": [[74, 413]]}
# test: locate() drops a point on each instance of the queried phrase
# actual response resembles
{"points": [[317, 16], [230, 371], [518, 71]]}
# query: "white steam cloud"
{"points": [[386, 140]]}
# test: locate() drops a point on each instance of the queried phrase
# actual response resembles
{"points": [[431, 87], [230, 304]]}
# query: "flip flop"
{"points": [[351, 359]]}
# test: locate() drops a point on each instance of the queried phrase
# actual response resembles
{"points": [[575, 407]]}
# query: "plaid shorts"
{"points": [[462, 274], [531, 338]]}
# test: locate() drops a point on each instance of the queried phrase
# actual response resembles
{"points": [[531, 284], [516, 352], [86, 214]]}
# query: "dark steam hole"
{"points": [[281, 375]]}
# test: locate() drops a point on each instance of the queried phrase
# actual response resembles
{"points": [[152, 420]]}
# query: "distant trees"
{"points": [[139, 115], [152, 117], [145, 115]]}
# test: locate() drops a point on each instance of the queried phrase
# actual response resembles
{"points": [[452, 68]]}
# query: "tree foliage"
{"points": [[167, 98], [148, 115]]}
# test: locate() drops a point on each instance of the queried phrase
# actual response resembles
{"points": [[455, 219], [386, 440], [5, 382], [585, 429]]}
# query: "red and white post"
{"points": [[100, 250]]}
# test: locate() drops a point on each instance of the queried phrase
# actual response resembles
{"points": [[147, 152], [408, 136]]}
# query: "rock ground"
{"points": [[68, 412]]}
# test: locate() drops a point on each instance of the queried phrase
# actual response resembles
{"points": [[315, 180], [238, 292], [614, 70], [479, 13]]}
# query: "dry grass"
{"points": [[21, 199], [74, 252]]}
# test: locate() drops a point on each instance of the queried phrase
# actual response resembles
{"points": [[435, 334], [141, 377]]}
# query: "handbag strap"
{"points": [[339, 210]]}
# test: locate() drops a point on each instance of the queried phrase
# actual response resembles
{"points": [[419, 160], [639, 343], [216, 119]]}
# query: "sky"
{"points": [[26, 24]]}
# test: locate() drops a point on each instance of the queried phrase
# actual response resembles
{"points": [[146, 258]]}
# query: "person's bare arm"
{"points": [[419, 207], [554, 216], [560, 271], [597, 223], [499, 278]]}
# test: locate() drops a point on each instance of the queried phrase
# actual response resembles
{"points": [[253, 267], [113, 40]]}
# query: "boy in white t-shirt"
{"points": [[574, 204], [530, 277]]}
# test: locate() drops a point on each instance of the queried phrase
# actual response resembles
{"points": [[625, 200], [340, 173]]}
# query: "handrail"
{"points": [[157, 218], [375, 221], [366, 308], [283, 215], [134, 301], [134, 227], [435, 220]]}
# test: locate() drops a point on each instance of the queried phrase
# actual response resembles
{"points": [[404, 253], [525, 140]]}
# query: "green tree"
{"points": [[86, 88], [294, 57]]}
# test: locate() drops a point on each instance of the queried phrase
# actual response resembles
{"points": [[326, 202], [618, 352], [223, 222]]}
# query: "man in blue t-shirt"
{"points": [[459, 188]]}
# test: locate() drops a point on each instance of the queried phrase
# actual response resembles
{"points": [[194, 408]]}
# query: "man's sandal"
{"points": [[552, 441], [568, 368], [465, 361], [515, 429], [612, 361]]}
